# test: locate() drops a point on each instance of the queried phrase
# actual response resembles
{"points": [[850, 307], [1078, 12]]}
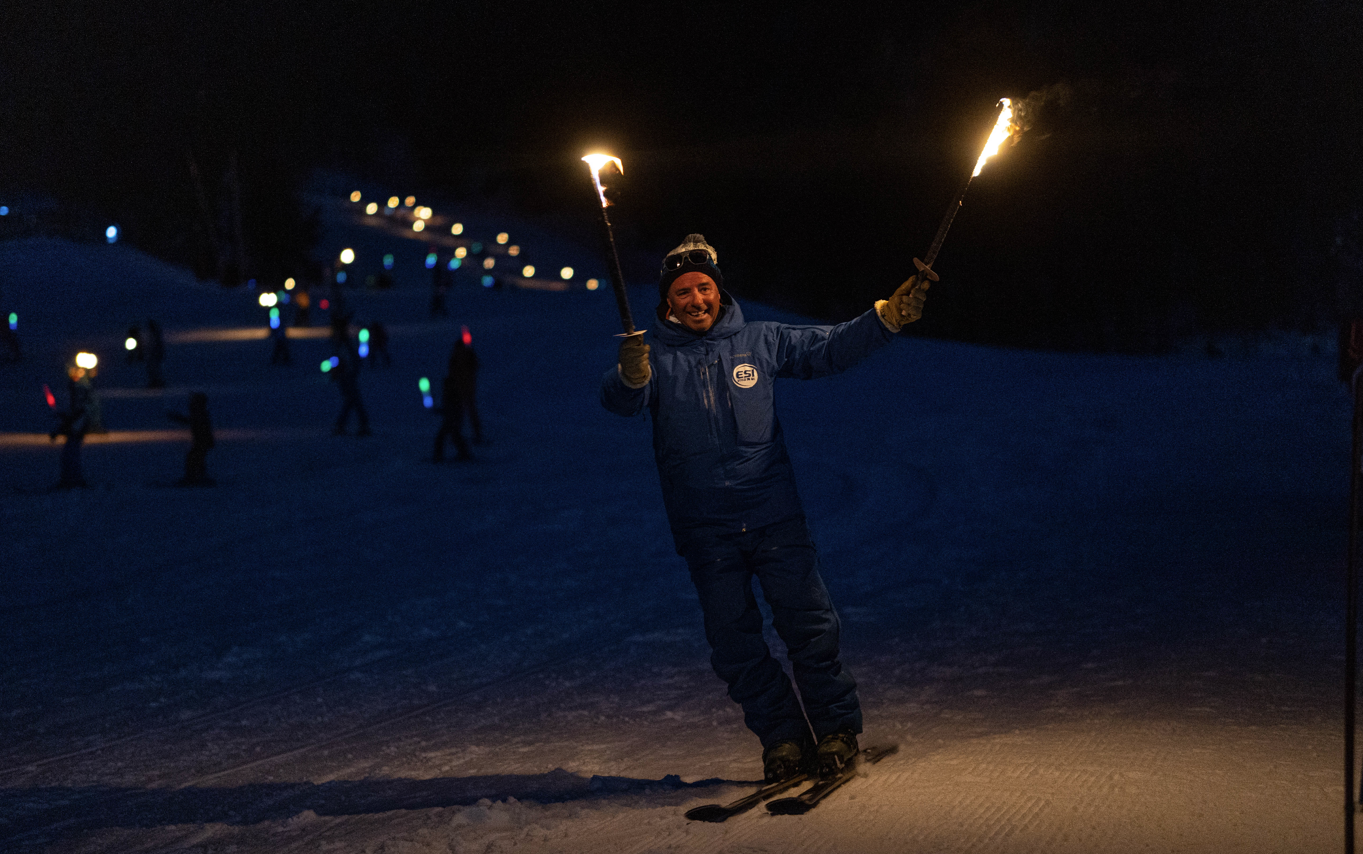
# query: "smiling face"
{"points": [[693, 298]]}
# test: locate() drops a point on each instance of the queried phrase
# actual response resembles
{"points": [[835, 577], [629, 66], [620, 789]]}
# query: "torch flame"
{"points": [[596, 161], [1002, 128]]}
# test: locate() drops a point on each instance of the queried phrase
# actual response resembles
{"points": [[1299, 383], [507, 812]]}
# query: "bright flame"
{"points": [[86, 360], [596, 161], [1002, 128]]}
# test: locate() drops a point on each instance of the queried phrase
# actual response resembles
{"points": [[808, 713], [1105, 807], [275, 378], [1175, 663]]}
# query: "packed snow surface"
{"points": [[1096, 600]]}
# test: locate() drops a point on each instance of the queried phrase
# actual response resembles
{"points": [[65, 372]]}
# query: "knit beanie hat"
{"points": [[694, 255]]}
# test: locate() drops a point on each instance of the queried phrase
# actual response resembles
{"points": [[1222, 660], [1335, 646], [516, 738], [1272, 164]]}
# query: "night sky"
{"points": [[1188, 171]]}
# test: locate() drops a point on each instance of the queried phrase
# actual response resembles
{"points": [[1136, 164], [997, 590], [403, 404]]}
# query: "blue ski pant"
{"points": [[784, 561]]}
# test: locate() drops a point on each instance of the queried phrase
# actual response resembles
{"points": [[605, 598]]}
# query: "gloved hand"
{"points": [[905, 306], [634, 369]]}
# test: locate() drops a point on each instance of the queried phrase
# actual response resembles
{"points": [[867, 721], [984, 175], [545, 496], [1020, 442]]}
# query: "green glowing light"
{"points": [[424, 385]]}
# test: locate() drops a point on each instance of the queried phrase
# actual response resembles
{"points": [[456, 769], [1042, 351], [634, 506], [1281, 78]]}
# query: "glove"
{"points": [[634, 369], [905, 306]]}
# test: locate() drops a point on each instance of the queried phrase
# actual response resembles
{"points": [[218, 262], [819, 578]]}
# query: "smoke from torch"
{"points": [[1003, 129], [596, 162]]}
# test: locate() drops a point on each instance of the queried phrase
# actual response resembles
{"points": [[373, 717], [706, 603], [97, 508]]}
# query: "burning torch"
{"points": [[596, 162], [1003, 127]]}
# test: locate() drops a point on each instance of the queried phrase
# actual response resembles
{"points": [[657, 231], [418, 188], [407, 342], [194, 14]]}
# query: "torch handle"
{"points": [[925, 266], [617, 278]]}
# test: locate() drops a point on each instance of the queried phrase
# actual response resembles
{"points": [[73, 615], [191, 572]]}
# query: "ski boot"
{"points": [[784, 760], [835, 752]]}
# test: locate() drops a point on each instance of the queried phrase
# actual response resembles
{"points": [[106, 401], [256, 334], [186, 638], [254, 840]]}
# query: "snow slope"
{"points": [[1097, 600]]}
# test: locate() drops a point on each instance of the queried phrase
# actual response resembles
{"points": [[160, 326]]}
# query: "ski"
{"points": [[810, 798], [720, 812]]}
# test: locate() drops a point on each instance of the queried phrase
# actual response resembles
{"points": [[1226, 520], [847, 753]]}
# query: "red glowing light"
{"points": [[51, 398], [466, 335], [325, 304]]}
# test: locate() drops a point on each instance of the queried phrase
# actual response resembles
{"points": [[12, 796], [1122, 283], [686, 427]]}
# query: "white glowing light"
{"points": [[528, 270], [419, 225], [593, 284], [1002, 128], [566, 273], [425, 213], [457, 228], [268, 299], [289, 284], [503, 238], [371, 208], [111, 234], [86, 360], [130, 344], [355, 196], [347, 256]]}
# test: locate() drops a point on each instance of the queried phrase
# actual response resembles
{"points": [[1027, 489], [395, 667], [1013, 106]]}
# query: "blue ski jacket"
{"points": [[718, 444]]}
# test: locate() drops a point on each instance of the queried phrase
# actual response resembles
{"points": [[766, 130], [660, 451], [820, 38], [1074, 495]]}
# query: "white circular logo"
{"points": [[745, 376]]}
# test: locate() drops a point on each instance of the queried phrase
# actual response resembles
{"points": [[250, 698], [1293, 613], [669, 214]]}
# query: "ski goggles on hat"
{"points": [[695, 256]]}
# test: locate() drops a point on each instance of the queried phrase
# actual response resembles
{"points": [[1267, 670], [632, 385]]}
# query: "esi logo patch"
{"points": [[745, 376]]}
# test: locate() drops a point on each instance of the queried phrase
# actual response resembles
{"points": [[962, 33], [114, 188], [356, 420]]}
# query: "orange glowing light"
{"points": [[1002, 128], [596, 161]]}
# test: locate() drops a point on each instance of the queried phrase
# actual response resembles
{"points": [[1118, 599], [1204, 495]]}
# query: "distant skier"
{"points": [[378, 345], [346, 375], [133, 344], [729, 489], [442, 277], [73, 423], [279, 353], [451, 421], [201, 440], [156, 354], [463, 367]]}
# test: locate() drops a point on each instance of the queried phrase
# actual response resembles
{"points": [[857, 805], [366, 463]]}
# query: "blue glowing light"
{"points": [[489, 281], [274, 318], [453, 265], [13, 321], [388, 261], [430, 260], [340, 277], [111, 234], [364, 351], [4, 210]]}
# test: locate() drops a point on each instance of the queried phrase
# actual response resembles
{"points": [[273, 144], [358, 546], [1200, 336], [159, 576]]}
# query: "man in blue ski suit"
{"points": [[708, 381]]}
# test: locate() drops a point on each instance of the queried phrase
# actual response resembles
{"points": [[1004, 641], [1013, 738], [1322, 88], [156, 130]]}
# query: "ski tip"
{"points": [[708, 812], [788, 806]]}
